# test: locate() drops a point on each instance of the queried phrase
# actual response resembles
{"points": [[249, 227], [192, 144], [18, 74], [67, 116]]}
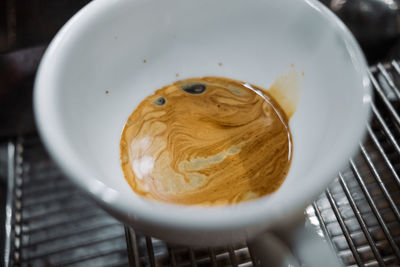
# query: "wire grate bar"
{"points": [[344, 228], [132, 246], [397, 69], [322, 224], [374, 209], [380, 182], [150, 251], [9, 202], [81, 245], [68, 234], [378, 89], [232, 256], [89, 215], [192, 258], [171, 254], [360, 220], [389, 80], [40, 213], [212, 257], [89, 257], [383, 154], [61, 197], [33, 192], [385, 127]]}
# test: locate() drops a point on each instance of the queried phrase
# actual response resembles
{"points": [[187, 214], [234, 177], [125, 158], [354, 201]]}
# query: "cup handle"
{"points": [[298, 246]]}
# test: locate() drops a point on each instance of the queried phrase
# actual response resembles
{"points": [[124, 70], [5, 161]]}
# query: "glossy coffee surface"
{"points": [[206, 141]]}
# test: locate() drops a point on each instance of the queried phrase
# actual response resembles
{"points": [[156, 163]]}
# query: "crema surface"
{"points": [[206, 141]]}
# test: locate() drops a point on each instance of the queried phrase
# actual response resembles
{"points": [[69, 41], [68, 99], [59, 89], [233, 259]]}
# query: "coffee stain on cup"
{"points": [[286, 90]]}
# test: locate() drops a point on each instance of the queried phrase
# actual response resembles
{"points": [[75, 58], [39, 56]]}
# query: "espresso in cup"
{"points": [[206, 141]]}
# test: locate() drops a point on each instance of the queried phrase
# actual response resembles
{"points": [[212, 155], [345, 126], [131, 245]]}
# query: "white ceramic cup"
{"points": [[130, 48]]}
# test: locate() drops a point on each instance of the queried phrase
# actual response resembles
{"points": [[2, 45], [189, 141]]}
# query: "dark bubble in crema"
{"points": [[160, 101], [194, 89]]}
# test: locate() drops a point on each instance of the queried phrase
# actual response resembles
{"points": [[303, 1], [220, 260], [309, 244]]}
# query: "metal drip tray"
{"points": [[50, 223], [53, 224]]}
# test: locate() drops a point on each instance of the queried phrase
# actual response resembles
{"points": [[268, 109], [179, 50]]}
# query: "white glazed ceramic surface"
{"points": [[103, 48]]}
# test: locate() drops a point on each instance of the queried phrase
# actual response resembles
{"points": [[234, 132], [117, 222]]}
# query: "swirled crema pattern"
{"points": [[206, 141]]}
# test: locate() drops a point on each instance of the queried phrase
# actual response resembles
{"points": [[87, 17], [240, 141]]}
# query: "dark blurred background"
{"points": [[27, 26]]}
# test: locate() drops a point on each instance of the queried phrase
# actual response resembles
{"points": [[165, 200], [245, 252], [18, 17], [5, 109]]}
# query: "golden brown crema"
{"points": [[206, 141]]}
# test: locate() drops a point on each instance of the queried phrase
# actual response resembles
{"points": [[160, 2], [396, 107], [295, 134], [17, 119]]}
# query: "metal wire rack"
{"points": [[50, 223], [360, 210]]}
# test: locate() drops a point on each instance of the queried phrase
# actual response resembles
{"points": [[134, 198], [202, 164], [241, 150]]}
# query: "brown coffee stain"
{"points": [[286, 91], [207, 141]]}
